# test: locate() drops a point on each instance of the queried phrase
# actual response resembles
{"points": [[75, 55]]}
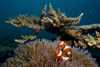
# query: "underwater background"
{"points": [[12, 8]]}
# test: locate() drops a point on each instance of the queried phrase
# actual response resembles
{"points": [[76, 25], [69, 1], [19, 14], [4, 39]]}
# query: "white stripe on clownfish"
{"points": [[59, 53], [62, 43], [65, 58], [69, 53], [66, 47]]}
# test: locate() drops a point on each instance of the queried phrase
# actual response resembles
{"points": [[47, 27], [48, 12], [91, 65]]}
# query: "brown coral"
{"points": [[52, 24], [42, 54], [56, 24]]}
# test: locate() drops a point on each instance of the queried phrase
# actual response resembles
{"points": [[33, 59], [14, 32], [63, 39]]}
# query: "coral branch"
{"points": [[22, 20], [25, 38], [43, 14], [89, 28]]}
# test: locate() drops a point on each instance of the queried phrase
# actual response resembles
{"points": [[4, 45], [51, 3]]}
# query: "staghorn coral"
{"points": [[86, 28], [52, 24], [90, 28], [60, 25], [90, 41], [42, 54]]}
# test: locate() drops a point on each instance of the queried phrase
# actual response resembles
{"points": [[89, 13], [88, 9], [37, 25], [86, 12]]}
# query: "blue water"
{"points": [[72, 8]]}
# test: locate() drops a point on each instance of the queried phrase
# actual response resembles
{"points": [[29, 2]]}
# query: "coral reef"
{"points": [[42, 54], [60, 25]]}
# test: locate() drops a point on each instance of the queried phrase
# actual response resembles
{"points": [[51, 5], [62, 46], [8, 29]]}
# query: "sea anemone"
{"points": [[41, 53], [81, 58]]}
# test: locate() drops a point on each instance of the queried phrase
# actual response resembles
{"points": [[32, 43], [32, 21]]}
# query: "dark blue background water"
{"points": [[72, 8]]}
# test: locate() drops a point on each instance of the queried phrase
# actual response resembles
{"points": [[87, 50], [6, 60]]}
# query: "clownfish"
{"points": [[62, 56], [64, 46]]}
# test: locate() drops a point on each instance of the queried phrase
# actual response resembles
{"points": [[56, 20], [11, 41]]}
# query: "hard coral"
{"points": [[42, 54], [52, 24]]}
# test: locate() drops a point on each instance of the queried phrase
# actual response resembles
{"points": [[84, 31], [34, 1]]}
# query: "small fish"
{"points": [[62, 55], [64, 46]]}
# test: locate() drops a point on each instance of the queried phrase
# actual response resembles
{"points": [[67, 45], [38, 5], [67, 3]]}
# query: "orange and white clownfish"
{"points": [[64, 46], [62, 55]]}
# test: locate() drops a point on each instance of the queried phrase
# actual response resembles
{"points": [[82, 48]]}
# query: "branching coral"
{"points": [[89, 41], [60, 19], [42, 54], [56, 24], [90, 28]]}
